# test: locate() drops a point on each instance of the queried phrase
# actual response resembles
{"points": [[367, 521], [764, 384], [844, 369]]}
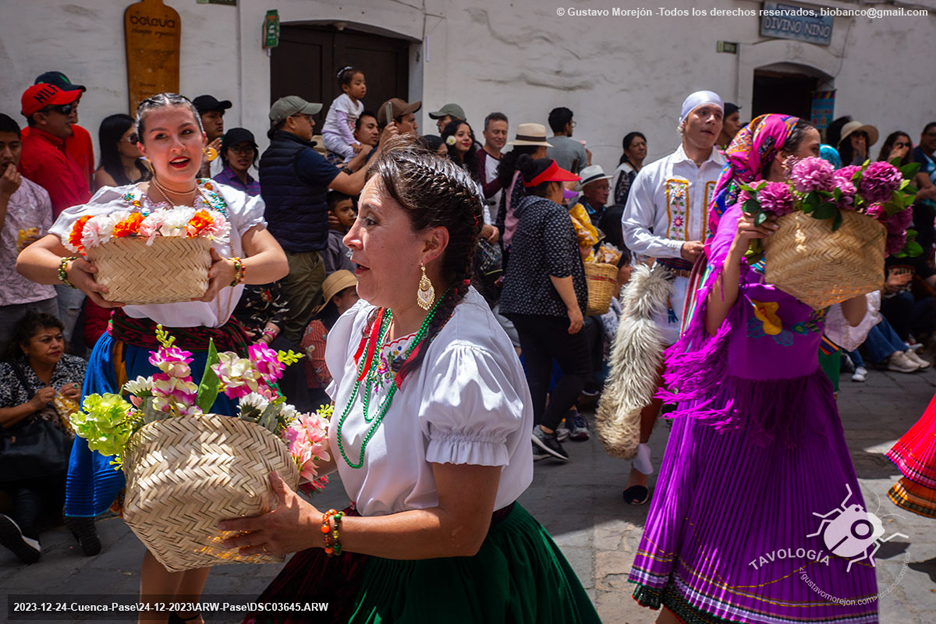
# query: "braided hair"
{"points": [[434, 192]]}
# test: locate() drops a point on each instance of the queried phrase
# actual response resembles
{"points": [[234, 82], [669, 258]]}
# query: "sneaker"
{"points": [[900, 363], [861, 374], [549, 443], [539, 453], [84, 531], [28, 550], [847, 365], [562, 432], [916, 359], [579, 428]]}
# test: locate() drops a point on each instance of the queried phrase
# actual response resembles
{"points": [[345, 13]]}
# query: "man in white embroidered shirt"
{"points": [[666, 219]]}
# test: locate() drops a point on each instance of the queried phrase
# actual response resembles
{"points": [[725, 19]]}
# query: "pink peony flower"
{"points": [[307, 440], [876, 211], [842, 180], [173, 361], [812, 174], [265, 360], [895, 242], [776, 197], [879, 182], [898, 222]]}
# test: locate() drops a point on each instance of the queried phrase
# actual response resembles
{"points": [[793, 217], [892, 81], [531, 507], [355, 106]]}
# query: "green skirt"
{"points": [[518, 576]]}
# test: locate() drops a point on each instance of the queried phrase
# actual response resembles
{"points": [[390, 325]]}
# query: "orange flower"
{"points": [[129, 226], [74, 238], [199, 222]]}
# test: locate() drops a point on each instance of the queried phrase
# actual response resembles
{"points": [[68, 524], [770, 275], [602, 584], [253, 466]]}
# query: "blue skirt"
{"points": [[93, 483]]}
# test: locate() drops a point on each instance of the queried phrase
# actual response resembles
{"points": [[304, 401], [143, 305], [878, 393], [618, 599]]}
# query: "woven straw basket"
{"points": [[185, 474], [601, 280], [806, 259], [173, 268]]}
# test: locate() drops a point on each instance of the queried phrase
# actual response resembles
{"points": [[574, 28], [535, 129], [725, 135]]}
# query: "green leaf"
{"points": [[760, 186], [751, 206], [760, 218], [837, 194], [208, 388], [913, 249], [807, 208], [812, 199], [908, 171], [749, 189], [837, 221], [825, 211], [825, 194]]}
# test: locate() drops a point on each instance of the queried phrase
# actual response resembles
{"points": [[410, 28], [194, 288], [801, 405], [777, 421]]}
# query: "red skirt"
{"points": [[915, 455]]}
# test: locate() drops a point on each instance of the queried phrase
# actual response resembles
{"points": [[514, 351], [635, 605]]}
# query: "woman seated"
{"points": [[36, 370], [430, 433]]}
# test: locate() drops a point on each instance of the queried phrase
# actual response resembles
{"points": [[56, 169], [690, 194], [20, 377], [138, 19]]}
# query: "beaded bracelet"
{"points": [[240, 271], [332, 536], [63, 271]]}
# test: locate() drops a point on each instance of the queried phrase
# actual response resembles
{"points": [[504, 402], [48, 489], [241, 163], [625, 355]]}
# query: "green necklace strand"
{"points": [[385, 405]]}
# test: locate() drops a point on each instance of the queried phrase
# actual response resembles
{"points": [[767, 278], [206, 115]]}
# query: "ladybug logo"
{"points": [[852, 532]]}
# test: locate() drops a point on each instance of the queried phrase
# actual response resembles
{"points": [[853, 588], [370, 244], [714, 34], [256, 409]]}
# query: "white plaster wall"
{"points": [[618, 74]]}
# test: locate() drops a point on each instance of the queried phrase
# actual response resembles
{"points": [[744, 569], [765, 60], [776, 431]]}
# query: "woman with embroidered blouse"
{"points": [[430, 433], [172, 139]]}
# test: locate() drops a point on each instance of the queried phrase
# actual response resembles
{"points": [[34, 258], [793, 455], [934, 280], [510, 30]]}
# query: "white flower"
{"points": [[98, 230], [149, 228], [176, 220], [141, 386], [254, 400], [450, 140]]}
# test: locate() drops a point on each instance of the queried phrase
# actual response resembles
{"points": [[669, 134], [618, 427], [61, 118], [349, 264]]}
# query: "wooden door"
{"points": [[308, 58]]}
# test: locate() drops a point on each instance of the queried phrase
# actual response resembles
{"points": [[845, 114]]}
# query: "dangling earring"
{"points": [[425, 295]]}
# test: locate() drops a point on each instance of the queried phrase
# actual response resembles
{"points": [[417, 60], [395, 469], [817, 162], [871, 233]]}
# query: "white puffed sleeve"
{"points": [[244, 211], [470, 408]]}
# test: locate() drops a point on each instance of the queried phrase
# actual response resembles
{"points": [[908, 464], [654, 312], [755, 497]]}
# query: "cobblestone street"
{"points": [[580, 504]]}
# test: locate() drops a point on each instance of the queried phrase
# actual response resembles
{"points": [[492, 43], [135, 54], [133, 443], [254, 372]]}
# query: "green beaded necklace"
{"points": [[368, 364]]}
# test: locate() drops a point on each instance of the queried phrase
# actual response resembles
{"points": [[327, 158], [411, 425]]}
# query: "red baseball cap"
{"points": [[38, 96], [552, 173]]}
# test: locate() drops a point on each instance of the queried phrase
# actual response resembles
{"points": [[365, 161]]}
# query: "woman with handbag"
{"points": [[34, 438]]}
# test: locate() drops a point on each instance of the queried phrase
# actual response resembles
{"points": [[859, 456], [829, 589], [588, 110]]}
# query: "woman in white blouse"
{"points": [[172, 139], [430, 433]]}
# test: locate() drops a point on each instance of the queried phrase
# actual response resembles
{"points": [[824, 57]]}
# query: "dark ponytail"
{"points": [[434, 192]]}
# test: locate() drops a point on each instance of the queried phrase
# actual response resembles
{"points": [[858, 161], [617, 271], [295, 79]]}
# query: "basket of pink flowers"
{"points": [[188, 469], [835, 227]]}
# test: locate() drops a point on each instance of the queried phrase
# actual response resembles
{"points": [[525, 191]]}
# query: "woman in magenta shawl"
{"points": [[757, 449]]}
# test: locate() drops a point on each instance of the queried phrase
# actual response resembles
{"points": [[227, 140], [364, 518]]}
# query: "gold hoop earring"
{"points": [[425, 295]]}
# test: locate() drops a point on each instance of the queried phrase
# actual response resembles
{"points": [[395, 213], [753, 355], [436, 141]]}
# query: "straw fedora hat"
{"points": [[334, 284], [530, 134], [857, 126]]}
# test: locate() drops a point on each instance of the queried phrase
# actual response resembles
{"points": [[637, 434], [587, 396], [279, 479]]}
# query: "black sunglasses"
{"points": [[65, 109]]}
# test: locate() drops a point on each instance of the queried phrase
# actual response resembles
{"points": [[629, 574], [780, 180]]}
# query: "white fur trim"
{"points": [[635, 357]]}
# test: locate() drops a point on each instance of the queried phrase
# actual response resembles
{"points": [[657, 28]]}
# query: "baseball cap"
{"points": [[292, 105], [37, 97], [451, 109], [237, 135], [205, 103], [400, 108], [60, 80]]}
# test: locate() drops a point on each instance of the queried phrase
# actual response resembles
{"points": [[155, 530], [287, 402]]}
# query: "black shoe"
{"points": [[84, 531], [636, 495], [549, 443], [28, 550]]}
